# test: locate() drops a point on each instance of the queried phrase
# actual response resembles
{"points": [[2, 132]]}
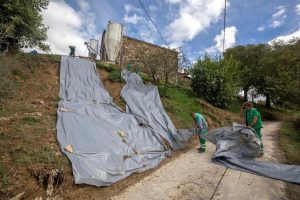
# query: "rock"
{"points": [[5, 119], [18, 197], [121, 133], [63, 110], [38, 114], [69, 148], [42, 102]]}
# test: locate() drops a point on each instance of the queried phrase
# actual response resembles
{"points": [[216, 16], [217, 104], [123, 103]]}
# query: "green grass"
{"points": [[29, 120], [181, 102], [42, 155], [266, 113], [115, 76], [289, 140], [20, 74]]}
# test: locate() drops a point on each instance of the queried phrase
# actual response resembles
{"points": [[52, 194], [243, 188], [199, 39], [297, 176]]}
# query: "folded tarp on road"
{"points": [[103, 143], [144, 102], [236, 146]]}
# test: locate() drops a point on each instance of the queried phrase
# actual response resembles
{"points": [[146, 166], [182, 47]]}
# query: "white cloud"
{"points": [[297, 9], [230, 33], [278, 17], [68, 27], [261, 28], [145, 29], [287, 38], [132, 19], [194, 17], [173, 1]]}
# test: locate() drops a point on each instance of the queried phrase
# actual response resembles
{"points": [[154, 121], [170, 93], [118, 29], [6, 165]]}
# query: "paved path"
{"points": [[193, 176]]}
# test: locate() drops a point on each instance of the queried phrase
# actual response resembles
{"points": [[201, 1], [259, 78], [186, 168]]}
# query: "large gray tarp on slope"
{"points": [[144, 102], [236, 146], [91, 124]]}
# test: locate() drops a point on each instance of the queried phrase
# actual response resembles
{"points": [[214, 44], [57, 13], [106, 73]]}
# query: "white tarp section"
{"points": [[236, 148], [108, 145], [144, 101]]}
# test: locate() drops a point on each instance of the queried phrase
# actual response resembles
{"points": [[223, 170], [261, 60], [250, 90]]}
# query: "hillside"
{"points": [[28, 146]]}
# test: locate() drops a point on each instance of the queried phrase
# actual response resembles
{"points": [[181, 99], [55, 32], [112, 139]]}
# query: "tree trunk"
{"points": [[245, 94], [268, 101]]}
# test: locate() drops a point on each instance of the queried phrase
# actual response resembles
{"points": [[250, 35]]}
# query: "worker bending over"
{"points": [[201, 129], [253, 120]]}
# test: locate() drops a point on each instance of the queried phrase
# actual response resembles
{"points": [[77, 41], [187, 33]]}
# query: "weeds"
{"points": [[5, 181], [43, 155], [29, 120], [115, 76], [289, 140], [20, 74], [7, 85]]}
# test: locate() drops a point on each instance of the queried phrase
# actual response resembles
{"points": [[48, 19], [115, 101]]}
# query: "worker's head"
{"points": [[247, 105], [193, 115]]}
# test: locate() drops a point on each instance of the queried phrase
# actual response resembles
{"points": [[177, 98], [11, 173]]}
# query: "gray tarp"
{"points": [[144, 102], [236, 146], [90, 124]]}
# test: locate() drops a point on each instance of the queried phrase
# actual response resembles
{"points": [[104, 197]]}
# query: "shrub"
{"points": [[115, 76], [211, 80]]}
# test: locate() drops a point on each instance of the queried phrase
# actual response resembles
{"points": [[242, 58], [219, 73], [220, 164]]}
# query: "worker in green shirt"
{"points": [[253, 120], [201, 129]]}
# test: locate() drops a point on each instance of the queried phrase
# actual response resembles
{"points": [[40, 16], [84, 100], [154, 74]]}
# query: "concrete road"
{"points": [[193, 176]]}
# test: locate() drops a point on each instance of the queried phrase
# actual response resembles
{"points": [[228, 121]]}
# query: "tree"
{"points": [[279, 74], [25, 22], [159, 64], [247, 59], [212, 79], [151, 61]]}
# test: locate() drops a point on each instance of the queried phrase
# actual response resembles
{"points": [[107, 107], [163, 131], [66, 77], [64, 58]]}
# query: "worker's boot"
{"points": [[202, 148]]}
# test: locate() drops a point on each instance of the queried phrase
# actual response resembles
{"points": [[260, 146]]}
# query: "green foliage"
{"points": [[19, 73], [213, 80], [29, 120], [23, 21], [41, 155], [5, 181], [145, 77], [100, 64], [289, 140], [271, 70], [115, 76]]}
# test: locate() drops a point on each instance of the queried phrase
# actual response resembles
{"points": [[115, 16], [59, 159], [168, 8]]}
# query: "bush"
{"points": [[115, 76], [211, 80]]}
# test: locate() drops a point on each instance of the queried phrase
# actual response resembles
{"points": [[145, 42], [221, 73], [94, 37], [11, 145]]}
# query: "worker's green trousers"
{"points": [[261, 140], [201, 140]]}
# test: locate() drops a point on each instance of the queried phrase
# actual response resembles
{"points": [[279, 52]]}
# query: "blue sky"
{"points": [[196, 25]]}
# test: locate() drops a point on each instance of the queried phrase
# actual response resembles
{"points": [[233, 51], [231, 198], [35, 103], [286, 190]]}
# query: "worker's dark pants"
{"points": [[261, 140], [201, 140]]}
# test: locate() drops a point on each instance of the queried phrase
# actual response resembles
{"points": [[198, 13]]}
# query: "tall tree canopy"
{"points": [[21, 24], [271, 70], [214, 80]]}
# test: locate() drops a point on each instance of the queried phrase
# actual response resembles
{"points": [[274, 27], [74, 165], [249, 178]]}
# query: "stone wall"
{"points": [[132, 47]]}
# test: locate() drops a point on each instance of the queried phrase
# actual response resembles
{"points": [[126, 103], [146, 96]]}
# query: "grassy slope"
{"points": [[289, 140]]}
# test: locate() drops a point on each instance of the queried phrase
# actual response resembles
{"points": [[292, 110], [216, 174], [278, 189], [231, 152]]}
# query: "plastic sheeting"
{"points": [[144, 102], [236, 146], [107, 144]]}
